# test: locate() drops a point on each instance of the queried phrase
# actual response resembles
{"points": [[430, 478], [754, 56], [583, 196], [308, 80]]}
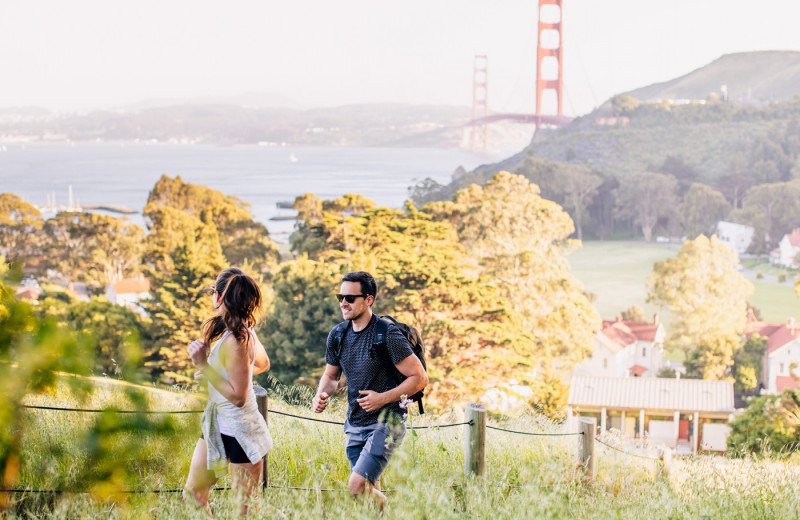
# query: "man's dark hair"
{"points": [[368, 285]]}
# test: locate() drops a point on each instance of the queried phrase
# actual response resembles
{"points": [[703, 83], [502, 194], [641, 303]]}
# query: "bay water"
{"points": [[117, 174]]}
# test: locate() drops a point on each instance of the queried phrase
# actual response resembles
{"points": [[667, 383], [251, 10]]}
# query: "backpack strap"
{"points": [[338, 335], [379, 344]]}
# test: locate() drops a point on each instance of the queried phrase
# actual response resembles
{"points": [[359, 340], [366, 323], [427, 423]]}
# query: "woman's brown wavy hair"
{"points": [[238, 299]]}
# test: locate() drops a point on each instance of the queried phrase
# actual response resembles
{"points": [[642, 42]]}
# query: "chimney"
{"points": [[618, 319], [655, 318], [790, 322]]}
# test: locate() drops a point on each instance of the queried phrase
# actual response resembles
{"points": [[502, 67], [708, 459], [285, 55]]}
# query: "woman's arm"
{"points": [[234, 358], [262, 359]]}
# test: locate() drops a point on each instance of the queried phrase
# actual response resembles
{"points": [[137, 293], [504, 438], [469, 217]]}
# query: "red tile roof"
{"points": [[623, 333], [777, 334], [132, 286], [786, 383], [637, 370], [28, 294]]}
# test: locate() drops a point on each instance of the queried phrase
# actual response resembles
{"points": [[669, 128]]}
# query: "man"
{"points": [[373, 428]]}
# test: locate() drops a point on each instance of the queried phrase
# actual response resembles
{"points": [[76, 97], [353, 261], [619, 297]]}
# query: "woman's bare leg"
{"points": [[200, 479]]}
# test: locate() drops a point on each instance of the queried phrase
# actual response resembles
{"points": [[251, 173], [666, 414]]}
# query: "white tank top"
{"points": [[213, 394]]}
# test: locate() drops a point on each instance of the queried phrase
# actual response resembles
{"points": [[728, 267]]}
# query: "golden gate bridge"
{"points": [[549, 81]]}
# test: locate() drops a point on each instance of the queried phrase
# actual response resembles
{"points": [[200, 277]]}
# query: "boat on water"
{"points": [[292, 158]]}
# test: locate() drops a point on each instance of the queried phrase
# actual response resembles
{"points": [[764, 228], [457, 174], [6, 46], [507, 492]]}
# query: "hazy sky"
{"points": [[83, 54]]}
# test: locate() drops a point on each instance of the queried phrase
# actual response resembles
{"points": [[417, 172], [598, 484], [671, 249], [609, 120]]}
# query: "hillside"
{"points": [[627, 135], [231, 124], [749, 76]]}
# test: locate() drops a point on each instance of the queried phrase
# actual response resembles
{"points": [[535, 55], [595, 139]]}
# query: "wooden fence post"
{"points": [[261, 399], [475, 440], [667, 459], [587, 426]]}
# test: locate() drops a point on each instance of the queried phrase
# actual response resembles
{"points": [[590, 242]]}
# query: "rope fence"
{"points": [[627, 452], [474, 447]]}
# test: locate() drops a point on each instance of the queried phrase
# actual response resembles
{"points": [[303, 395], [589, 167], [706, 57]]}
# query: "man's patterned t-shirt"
{"points": [[363, 368]]}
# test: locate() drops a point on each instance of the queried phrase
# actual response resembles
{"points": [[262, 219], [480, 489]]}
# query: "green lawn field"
{"points": [[616, 272]]}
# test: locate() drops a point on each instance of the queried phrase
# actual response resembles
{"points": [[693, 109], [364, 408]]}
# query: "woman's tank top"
{"points": [[213, 394]]}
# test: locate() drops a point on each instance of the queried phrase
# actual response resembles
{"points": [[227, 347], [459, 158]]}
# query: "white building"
{"points": [[788, 250], [129, 292], [685, 414], [780, 366], [737, 236], [626, 348]]}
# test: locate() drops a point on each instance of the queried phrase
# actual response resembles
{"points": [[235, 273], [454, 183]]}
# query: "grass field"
{"points": [[616, 272], [526, 477]]}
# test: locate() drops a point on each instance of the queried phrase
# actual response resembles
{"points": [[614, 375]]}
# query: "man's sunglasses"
{"points": [[351, 298]]}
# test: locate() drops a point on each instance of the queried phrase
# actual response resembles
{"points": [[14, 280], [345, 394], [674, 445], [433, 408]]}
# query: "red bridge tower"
{"points": [[550, 52]]}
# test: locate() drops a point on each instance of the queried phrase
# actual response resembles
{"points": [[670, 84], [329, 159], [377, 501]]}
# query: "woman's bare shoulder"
{"points": [[232, 349]]}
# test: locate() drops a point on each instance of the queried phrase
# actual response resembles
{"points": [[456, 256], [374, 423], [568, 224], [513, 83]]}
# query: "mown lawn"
{"points": [[616, 273]]}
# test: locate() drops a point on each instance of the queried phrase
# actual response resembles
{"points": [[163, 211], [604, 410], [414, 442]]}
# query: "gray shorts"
{"points": [[368, 448]]}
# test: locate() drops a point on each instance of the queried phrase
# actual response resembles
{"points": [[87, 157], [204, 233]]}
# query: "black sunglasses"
{"points": [[351, 298]]}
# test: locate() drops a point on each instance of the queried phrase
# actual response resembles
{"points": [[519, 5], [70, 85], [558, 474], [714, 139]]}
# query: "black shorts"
{"points": [[233, 450]]}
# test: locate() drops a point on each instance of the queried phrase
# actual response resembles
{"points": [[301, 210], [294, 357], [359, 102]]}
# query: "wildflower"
{"points": [[404, 401]]}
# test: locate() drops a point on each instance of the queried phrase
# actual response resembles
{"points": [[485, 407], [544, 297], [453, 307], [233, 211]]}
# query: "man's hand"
{"points": [[371, 400], [320, 402], [197, 352]]}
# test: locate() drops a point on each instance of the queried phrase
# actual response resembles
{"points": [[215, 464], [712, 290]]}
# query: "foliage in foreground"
{"points": [[526, 477]]}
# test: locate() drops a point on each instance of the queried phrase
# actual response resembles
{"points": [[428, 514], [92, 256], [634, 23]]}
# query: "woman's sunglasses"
{"points": [[351, 298]]}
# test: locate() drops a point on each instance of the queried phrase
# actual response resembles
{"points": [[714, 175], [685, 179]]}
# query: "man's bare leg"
{"points": [[359, 486]]}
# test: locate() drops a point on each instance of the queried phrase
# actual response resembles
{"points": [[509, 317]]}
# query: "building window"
{"points": [[780, 368], [644, 351], [605, 362]]}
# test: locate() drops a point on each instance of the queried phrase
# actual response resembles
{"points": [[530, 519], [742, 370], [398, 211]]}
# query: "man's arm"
{"points": [[416, 380], [328, 384]]}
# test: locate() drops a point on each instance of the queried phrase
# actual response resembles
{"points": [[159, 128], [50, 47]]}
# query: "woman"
{"points": [[233, 429]]}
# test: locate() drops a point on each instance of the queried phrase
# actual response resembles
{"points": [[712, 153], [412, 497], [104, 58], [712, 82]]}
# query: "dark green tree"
{"points": [[747, 363], [702, 208], [770, 424], [304, 311], [184, 259], [646, 198]]}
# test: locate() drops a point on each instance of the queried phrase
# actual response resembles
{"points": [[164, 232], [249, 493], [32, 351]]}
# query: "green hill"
{"points": [[749, 76], [632, 132]]}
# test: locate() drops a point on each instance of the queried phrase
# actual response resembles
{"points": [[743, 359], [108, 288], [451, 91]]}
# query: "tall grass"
{"points": [[526, 477]]}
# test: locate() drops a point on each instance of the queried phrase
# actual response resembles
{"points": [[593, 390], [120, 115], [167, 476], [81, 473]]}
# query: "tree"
{"points": [[645, 198], [633, 313], [240, 237], [67, 250], [747, 363], [296, 329], [702, 208], [518, 239], [623, 104], [772, 210], [770, 423], [184, 258], [114, 328], [707, 298], [97, 249], [20, 223], [580, 187]]}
